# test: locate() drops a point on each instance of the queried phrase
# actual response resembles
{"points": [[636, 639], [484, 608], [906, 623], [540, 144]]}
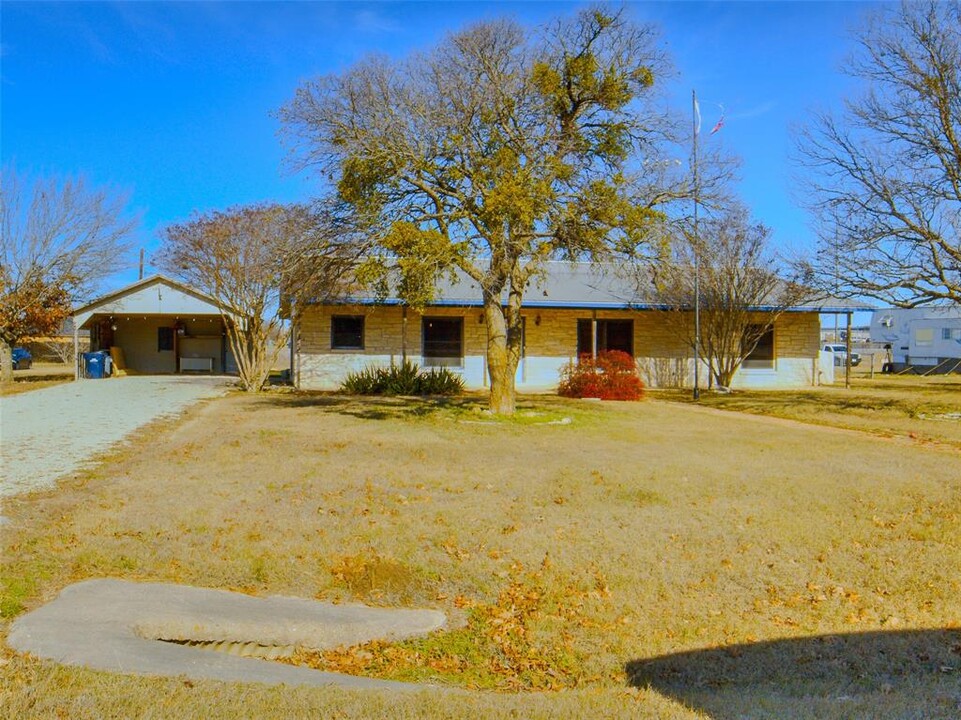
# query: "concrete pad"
{"points": [[120, 626]]}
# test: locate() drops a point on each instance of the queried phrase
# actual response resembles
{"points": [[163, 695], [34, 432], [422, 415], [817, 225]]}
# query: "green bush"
{"points": [[404, 379]]}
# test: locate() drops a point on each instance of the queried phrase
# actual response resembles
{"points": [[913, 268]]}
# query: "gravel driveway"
{"points": [[47, 433]]}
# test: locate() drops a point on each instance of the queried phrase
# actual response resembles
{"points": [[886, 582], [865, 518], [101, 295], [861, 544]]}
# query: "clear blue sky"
{"points": [[173, 102]]}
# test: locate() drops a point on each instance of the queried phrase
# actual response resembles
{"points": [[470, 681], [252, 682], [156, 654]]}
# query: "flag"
{"points": [[697, 117], [720, 123]]}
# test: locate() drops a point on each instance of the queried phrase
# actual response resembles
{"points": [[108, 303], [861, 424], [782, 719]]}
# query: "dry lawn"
{"points": [[643, 560], [922, 409], [39, 376]]}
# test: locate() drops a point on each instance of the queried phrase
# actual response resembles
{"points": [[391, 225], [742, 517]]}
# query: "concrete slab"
{"points": [[120, 626]]}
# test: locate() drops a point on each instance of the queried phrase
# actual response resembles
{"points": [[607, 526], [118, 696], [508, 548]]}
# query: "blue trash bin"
{"points": [[93, 365]]}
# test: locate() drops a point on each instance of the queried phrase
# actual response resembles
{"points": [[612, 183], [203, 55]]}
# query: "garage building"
{"points": [[157, 326]]}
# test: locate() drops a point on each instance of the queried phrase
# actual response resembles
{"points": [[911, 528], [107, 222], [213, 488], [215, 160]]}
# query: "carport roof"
{"points": [[141, 284], [193, 301]]}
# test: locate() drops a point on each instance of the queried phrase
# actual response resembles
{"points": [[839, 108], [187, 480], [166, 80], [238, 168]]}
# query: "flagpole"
{"points": [[697, 258]]}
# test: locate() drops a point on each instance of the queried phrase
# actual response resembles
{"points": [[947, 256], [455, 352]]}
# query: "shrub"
{"points": [[403, 379], [440, 381], [611, 376]]}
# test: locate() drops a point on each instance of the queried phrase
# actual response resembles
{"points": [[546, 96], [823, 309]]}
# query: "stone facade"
{"points": [[392, 333]]}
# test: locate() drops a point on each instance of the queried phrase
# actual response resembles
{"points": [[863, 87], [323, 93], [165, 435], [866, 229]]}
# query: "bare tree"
{"points": [[498, 150], [61, 349], [741, 292], [885, 177], [57, 239], [253, 260]]}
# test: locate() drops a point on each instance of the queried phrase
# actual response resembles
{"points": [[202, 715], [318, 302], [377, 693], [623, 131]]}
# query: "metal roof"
{"points": [[584, 285]]}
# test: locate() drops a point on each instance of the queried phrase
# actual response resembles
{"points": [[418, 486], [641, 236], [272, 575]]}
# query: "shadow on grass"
{"points": [[917, 671], [377, 408], [469, 407]]}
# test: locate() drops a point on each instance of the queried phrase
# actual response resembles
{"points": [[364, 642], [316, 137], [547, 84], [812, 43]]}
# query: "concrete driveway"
{"points": [[48, 433]]}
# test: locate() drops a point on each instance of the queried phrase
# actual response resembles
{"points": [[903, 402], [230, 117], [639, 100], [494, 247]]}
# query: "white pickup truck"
{"points": [[840, 353]]}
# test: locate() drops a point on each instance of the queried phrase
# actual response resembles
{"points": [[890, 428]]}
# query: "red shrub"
{"points": [[612, 376]]}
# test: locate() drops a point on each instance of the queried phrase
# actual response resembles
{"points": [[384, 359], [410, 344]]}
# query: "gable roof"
{"points": [[581, 285], [142, 284]]}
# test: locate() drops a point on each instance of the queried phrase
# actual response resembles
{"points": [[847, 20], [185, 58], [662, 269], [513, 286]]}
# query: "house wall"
{"points": [[551, 343]]}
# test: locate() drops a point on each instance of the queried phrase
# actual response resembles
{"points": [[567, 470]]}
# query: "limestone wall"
{"points": [[663, 358]]}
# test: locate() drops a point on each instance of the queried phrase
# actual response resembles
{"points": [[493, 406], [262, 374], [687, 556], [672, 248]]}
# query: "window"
{"points": [[165, 339], [762, 356], [443, 341], [923, 337], [951, 333], [611, 335], [347, 332]]}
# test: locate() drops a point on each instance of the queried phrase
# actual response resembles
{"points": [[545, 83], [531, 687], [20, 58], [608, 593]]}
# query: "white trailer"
{"points": [[925, 339]]}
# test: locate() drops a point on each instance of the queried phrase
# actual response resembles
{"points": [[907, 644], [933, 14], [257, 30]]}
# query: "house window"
{"points": [[924, 337], [762, 356], [347, 332], [443, 341], [165, 339], [611, 335]]}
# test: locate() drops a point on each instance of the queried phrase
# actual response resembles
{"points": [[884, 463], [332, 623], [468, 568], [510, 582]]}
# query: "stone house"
{"points": [[573, 309]]}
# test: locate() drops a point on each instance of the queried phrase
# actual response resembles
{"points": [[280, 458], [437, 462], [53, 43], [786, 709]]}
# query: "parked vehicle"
{"points": [[840, 353], [22, 359], [925, 339]]}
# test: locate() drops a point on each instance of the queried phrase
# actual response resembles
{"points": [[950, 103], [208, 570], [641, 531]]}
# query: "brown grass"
{"points": [[923, 409], [22, 385], [621, 549]]}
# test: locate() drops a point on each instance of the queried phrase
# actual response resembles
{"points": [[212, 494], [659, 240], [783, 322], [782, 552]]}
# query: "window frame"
{"points": [[432, 360], [601, 335], [165, 339], [770, 363], [333, 332]]}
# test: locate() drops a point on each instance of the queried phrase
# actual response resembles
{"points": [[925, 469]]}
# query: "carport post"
{"points": [[76, 352], [847, 349]]}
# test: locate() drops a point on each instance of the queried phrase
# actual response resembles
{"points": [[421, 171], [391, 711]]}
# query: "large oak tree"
{"points": [[497, 150]]}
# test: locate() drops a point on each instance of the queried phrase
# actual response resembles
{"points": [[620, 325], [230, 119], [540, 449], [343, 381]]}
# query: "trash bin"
{"points": [[93, 365]]}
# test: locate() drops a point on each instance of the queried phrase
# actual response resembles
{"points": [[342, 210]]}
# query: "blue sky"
{"points": [[173, 102]]}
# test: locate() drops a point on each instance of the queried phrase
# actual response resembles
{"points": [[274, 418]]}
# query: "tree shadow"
{"points": [[911, 673], [375, 407]]}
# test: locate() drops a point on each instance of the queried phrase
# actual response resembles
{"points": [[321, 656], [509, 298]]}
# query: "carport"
{"points": [[157, 326]]}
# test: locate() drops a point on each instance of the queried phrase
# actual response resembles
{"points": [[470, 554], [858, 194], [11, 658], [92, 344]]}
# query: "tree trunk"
{"points": [[6, 362], [503, 354]]}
